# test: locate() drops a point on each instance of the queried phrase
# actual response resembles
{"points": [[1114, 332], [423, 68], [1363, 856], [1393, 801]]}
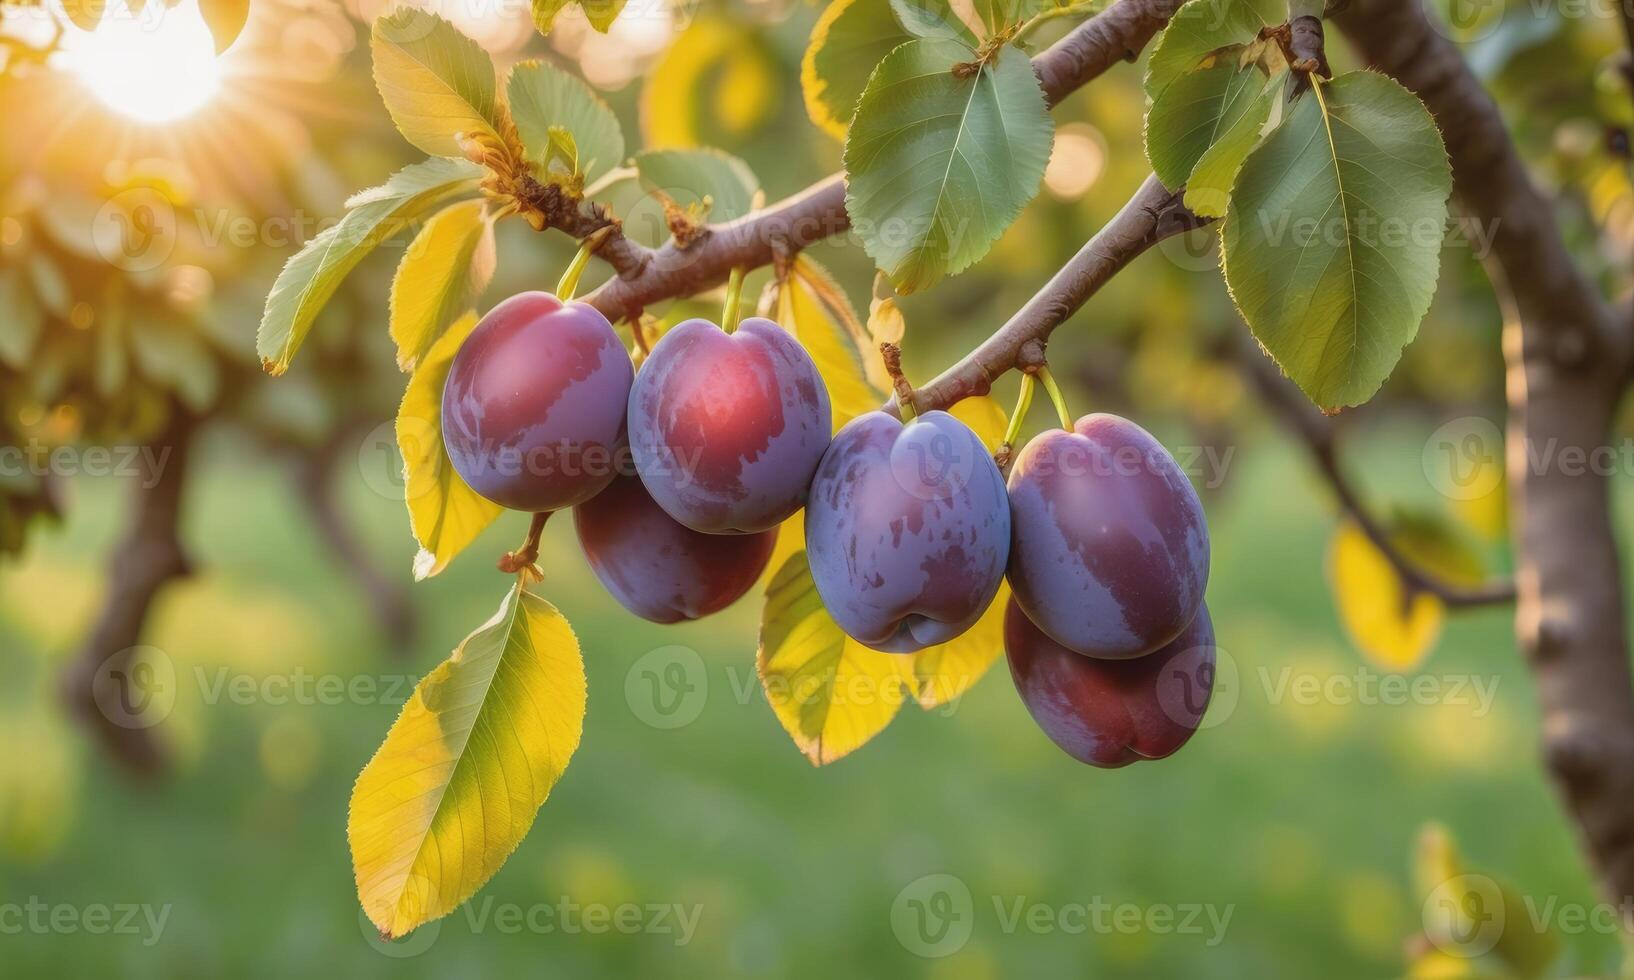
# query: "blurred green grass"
{"points": [[1297, 819]]}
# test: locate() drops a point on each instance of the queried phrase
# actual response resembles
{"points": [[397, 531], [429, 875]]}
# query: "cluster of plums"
{"points": [[680, 475]]}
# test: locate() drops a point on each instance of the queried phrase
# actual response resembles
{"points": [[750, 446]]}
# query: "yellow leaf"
{"points": [[226, 20], [801, 310], [791, 540], [717, 72], [437, 83], [449, 262], [466, 766], [986, 417], [830, 693], [1391, 630], [943, 673], [445, 514]]}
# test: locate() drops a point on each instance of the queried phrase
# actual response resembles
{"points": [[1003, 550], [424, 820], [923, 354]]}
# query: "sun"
{"points": [[156, 67]]}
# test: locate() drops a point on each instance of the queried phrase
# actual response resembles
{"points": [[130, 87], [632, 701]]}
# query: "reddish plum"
{"points": [[1110, 713], [727, 429], [533, 408], [659, 569], [1109, 551]]}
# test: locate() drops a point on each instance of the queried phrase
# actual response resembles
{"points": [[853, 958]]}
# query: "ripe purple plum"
{"points": [[533, 408], [727, 429], [1109, 552], [659, 569], [1109, 713], [907, 530]]}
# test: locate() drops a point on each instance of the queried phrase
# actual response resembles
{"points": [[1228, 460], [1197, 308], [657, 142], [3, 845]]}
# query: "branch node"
{"points": [[1030, 358]]}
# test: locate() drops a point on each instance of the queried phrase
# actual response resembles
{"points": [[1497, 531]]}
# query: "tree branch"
{"points": [[1567, 355], [650, 276], [1151, 215], [1297, 414]]}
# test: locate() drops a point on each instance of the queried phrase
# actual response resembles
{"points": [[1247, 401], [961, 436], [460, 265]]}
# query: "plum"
{"points": [[1109, 549], [659, 569], [533, 408], [907, 530], [727, 429], [1110, 713]]}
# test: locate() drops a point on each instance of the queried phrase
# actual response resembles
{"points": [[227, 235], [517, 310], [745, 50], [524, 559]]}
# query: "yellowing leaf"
{"points": [[437, 83], [226, 20], [986, 417], [449, 262], [830, 693], [822, 329], [466, 766], [445, 514], [600, 13], [1391, 630], [714, 81], [943, 673]]}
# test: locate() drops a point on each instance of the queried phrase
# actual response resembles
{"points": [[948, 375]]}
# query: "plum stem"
{"points": [[569, 286], [1056, 397], [1024, 402], [521, 561], [734, 300], [892, 354]]}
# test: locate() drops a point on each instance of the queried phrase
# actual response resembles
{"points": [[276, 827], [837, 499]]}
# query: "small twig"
{"points": [[892, 353]]}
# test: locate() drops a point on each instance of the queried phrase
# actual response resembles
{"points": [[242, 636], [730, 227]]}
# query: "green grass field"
{"points": [[1276, 844]]}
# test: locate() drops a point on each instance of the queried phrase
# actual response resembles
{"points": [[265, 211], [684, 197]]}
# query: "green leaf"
{"points": [[310, 278], [1209, 186], [1332, 241], [437, 83], [1202, 27], [938, 162], [23, 321], [447, 265], [929, 18], [1193, 113], [543, 96], [850, 39], [600, 13], [466, 766], [690, 177]]}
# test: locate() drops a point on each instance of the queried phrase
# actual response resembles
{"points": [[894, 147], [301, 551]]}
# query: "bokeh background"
{"points": [[1289, 838]]}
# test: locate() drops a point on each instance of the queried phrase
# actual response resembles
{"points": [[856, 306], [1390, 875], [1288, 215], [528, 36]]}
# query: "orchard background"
{"points": [[1419, 754]]}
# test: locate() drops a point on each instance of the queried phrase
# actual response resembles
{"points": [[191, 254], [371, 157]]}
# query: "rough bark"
{"points": [[1567, 355]]}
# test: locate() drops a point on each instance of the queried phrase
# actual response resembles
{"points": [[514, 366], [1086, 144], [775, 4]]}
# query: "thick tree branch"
{"points": [[1567, 355], [99, 685], [651, 276], [1316, 431]]}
